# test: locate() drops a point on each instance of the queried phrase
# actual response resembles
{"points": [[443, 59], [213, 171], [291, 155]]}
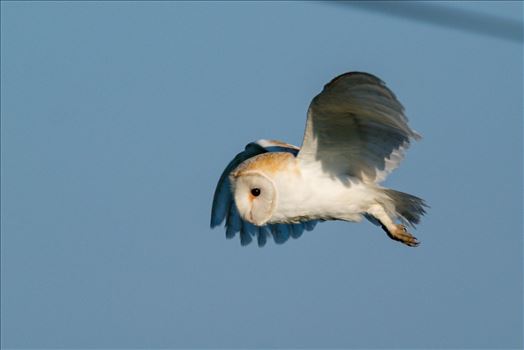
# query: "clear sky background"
{"points": [[118, 118]]}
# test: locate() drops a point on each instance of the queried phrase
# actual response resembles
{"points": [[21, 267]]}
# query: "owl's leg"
{"points": [[396, 232]]}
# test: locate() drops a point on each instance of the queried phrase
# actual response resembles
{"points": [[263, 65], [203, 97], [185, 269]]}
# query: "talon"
{"points": [[400, 233]]}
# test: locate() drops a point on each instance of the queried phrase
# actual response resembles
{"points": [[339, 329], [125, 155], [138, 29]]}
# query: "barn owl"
{"points": [[356, 134]]}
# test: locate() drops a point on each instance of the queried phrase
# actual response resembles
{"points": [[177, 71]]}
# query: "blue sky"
{"points": [[118, 118]]}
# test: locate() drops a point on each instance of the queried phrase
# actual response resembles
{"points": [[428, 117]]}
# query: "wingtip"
{"points": [[417, 136], [214, 222], [352, 74]]}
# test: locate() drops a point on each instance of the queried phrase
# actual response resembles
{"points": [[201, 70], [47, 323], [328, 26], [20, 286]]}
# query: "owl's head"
{"points": [[255, 196]]}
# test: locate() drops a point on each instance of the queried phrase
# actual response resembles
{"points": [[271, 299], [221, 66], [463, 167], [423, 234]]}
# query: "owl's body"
{"points": [[356, 134], [307, 193]]}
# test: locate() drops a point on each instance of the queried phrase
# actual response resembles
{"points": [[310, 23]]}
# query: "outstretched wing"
{"points": [[224, 207], [356, 127]]}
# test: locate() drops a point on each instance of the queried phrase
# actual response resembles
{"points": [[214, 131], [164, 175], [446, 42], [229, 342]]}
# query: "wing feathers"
{"points": [[356, 127], [224, 207]]}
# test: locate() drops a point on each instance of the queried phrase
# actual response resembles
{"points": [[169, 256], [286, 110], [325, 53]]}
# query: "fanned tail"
{"points": [[408, 208]]}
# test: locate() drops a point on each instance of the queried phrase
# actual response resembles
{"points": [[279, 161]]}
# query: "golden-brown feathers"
{"points": [[269, 163]]}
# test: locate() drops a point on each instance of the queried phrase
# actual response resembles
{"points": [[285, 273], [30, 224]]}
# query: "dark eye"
{"points": [[255, 192]]}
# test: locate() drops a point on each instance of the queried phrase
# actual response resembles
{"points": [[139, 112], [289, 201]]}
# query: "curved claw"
{"points": [[401, 234]]}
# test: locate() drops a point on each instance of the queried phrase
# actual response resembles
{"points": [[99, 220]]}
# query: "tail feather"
{"points": [[409, 208]]}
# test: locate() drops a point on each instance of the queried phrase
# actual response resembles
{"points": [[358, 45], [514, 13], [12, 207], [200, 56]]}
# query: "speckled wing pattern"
{"points": [[356, 127], [224, 207]]}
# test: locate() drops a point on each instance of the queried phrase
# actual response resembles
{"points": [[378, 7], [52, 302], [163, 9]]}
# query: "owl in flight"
{"points": [[356, 134]]}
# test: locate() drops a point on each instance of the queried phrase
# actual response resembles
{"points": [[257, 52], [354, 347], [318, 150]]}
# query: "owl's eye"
{"points": [[255, 192]]}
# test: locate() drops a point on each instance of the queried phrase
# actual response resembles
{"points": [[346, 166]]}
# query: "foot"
{"points": [[401, 234]]}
